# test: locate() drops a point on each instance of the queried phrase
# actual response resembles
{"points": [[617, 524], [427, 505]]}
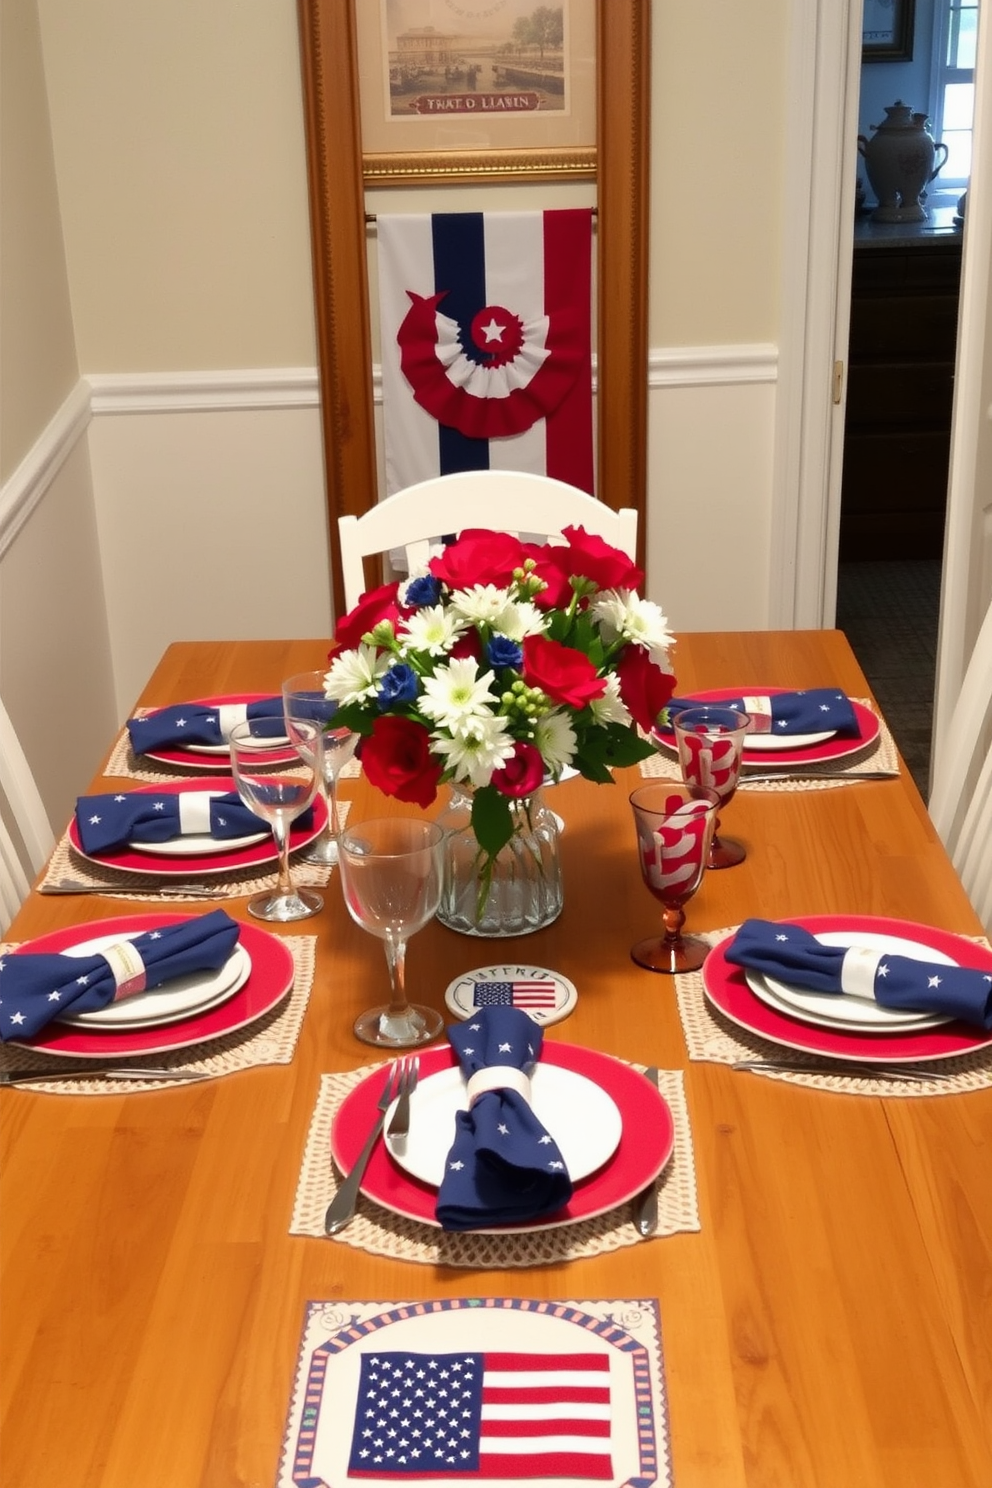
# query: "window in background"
{"points": [[953, 89]]}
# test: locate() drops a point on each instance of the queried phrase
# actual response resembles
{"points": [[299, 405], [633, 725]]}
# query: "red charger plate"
{"points": [[869, 727], [646, 1142], [193, 866], [192, 759], [726, 987], [271, 977]]}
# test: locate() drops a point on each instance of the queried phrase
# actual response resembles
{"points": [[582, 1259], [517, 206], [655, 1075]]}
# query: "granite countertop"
{"points": [[939, 226]]}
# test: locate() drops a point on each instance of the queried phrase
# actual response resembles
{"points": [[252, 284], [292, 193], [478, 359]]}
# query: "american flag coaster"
{"points": [[545, 996], [470, 1389]]}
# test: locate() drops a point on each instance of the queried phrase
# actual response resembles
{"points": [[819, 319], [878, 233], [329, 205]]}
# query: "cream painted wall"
{"points": [[179, 152], [54, 644], [718, 108], [180, 159], [37, 351]]}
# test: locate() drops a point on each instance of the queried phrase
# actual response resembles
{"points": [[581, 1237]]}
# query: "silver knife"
{"points": [[646, 1202]]}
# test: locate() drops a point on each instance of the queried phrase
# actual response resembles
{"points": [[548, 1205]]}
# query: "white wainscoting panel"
{"points": [[212, 514]]}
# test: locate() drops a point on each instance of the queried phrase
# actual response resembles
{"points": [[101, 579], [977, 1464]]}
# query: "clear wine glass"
{"points": [[391, 874], [279, 795], [674, 830], [304, 701], [710, 741]]}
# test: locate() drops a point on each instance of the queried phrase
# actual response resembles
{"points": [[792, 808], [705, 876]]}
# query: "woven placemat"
{"points": [[124, 761], [881, 755], [117, 883], [270, 1039], [381, 1233], [711, 1037]]}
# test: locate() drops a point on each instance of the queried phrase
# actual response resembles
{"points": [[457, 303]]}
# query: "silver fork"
{"points": [[399, 1122], [342, 1207]]}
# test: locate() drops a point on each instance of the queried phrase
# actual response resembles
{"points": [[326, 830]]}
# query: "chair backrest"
{"points": [[23, 817], [417, 518], [961, 792]]}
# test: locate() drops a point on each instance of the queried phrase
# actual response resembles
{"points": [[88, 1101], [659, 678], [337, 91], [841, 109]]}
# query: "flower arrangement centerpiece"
{"points": [[501, 666]]}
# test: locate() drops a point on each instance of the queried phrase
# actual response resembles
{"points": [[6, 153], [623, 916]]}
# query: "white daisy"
{"points": [[520, 619], [482, 604], [555, 738], [457, 693], [355, 674], [475, 750], [623, 614], [433, 629], [610, 708]]}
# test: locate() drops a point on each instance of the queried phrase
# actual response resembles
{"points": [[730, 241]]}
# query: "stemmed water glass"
{"points": [[391, 873], [279, 795], [710, 741], [303, 700], [674, 829]]}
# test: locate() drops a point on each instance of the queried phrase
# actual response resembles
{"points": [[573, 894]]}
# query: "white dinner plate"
{"points": [[839, 1009], [584, 1121], [197, 845], [277, 741], [175, 999], [762, 743]]}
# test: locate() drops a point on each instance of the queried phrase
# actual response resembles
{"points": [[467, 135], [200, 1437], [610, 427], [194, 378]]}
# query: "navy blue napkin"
{"points": [[109, 822], [794, 956], [36, 987], [503, 1167], [812, 711], [183, 724]]}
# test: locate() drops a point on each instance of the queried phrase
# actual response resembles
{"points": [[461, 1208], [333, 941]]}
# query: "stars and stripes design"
{"points": [[485, 1415], [520, 994]]}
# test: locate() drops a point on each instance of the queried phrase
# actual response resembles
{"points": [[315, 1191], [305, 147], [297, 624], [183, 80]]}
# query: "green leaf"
{"points": [[492, 822], [355, 717]]}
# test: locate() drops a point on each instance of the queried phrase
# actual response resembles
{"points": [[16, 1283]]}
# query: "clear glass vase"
{"points": [[524, 891]]}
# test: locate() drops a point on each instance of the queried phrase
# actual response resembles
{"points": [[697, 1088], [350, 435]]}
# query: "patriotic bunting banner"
{"points": [[486, 344]]}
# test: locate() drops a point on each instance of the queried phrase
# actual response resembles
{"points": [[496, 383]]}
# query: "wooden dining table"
{"points": [[828, 1324]]}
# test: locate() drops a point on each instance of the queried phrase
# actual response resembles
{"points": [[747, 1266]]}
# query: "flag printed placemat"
{"points": [[711, 1037], [380, 1232], [881, 755], [465, 1390], [270, 1040]]}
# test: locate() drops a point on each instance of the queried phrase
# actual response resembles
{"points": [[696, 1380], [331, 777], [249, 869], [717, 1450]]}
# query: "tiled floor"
{"points": [[889, 611]]}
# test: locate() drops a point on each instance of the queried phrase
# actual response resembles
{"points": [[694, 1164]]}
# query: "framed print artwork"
{"points": [[887, 31], [476, 90]]}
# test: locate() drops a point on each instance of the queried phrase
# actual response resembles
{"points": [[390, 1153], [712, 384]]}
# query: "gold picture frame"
{"points": [[337, 184], [440, 104]]}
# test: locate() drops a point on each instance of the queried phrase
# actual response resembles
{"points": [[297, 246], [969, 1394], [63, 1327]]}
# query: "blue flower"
{"points": [[399, 685], [502, 652], [423, 591]]}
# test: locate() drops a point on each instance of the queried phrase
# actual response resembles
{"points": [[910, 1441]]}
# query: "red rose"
{"points": [[566, 675], [522, 773], [375, 605], [479, 557], [587, 556], [396, 757], [644, 687]]}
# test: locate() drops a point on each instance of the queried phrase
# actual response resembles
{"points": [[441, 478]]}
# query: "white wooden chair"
{"points": [[26, 837], [961, 792], [416, 519]]}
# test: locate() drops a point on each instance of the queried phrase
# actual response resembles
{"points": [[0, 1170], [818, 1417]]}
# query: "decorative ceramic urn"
{"points": [[899, 160]]}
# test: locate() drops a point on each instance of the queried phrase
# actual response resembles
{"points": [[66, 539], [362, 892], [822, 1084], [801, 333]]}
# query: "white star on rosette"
{"points": [[493, 331]]}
